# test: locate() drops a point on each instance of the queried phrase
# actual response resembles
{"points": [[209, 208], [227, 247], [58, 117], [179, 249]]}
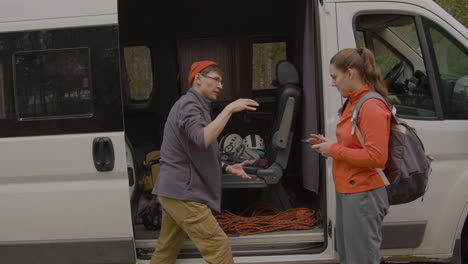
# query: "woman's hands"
{"points": [[321, 144], [238, 170]]}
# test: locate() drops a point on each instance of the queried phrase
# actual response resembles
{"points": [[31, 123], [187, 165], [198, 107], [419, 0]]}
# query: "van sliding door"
{"points": [[64, 188]]}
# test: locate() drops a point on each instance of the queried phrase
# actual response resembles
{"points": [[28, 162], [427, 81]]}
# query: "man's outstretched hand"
{"points": [[241, 105], [238, 170]]}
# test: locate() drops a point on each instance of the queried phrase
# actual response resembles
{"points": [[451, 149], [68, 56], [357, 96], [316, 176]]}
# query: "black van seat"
{"points": [[288, 99]]}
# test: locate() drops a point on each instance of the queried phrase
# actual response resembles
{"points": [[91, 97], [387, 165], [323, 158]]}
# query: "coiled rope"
{"points": [[265, 218]]}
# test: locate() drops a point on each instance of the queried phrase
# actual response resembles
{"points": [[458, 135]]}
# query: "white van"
{"points": [[85, 88]]}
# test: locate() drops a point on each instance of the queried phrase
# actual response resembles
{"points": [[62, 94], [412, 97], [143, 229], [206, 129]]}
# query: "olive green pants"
{"points": [[180, 218]]}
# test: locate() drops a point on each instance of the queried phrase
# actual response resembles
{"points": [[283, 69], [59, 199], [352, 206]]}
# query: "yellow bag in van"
{"points": [[151, 169]]}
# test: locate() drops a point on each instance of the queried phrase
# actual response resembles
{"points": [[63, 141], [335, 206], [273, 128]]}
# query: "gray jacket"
{"points": [[189, 171]]}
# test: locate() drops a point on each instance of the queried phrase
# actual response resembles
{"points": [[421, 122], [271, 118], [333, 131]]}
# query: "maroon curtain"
{"points": [[310, 107], [231, 55]]}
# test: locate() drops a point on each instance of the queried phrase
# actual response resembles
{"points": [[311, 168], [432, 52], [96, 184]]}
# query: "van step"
{"points": [[231, 182], [271, 243]]}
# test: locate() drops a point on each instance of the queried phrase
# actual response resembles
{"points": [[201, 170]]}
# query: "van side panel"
{"points": [[57, 198], [60, 99], [22, 10], [16, 15], [57, 193]]}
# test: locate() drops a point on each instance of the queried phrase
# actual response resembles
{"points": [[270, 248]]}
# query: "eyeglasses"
{"points": [[218, 80]]}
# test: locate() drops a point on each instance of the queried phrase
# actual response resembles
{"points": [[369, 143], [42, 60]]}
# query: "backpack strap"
{"points": [[362, 100], [355, 129], [379, 170]]}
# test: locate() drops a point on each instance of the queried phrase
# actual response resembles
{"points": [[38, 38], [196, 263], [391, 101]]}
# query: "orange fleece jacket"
{"points": [[353, 166]]}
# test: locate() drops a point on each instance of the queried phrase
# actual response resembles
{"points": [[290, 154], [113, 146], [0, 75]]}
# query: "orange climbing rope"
{"points": [[265, 218]]}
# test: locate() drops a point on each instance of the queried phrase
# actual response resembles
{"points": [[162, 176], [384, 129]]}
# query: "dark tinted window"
{"points": [[2, 90], [60, 81], [452, 64], [53, 84]]}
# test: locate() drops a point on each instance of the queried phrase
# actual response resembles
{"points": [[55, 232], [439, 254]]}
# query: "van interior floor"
{"points": [[275, 201]]}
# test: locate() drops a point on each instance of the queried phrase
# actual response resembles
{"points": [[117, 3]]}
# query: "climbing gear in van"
{"points": [[262, 217], [151, 214], [151, 169], [240, 154], [230, 142], [254, 142], [149, 210], [408, 167], [262, 154], [243, 153]]}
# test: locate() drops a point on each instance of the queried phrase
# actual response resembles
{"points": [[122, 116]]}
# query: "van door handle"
{"points": [[103, 154]]}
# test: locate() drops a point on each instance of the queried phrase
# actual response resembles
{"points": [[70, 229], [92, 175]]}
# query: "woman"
{"points": [[361, 197]]}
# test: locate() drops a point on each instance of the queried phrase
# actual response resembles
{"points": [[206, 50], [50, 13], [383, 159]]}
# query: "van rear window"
{"points": [[139, 72], [53, 84], [265, 56]]}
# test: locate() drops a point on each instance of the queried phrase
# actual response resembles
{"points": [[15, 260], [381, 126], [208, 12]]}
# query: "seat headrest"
{"points": [[286, 73]]}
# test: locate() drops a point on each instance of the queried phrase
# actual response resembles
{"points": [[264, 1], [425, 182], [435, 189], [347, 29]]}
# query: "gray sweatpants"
{"points": [[359, 219]]}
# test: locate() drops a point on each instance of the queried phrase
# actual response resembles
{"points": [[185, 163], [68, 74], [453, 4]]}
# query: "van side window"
{"points": [[7, 98], [394, 41], [265, 56], [2, 90], [452, 64], [52, 84], [139, 72], [60, 81]]}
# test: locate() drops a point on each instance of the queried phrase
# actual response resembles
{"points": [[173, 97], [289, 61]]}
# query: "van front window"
{"points": [[394, 41]]}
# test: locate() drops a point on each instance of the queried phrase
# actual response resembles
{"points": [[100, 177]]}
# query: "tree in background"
{"points": [[265, 57], [457, 8]]}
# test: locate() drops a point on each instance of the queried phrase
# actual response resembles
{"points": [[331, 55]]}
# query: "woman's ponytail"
{"points": [[372, 74]]}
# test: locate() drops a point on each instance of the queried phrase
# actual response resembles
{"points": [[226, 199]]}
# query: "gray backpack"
{"points": [[408, 167]]}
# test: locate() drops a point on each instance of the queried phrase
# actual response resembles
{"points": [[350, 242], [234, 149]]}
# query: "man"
{"points": [[189, 181]]}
